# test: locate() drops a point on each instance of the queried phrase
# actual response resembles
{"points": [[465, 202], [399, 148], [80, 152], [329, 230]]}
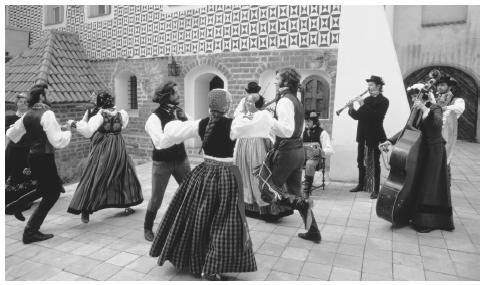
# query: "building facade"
{"points": [[133, 50]]}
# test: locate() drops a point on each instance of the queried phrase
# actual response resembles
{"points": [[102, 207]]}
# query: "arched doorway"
{"points": [[316, 96], [467, 88], [197, 84]]}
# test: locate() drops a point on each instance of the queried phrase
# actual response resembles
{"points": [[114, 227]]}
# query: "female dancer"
{"points": [[109, 179], [204, 229]]}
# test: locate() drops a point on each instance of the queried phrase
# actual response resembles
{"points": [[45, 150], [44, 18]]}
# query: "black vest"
{"points": [[313, 135], [219, 145], [299, 116], [39, 142], [23, 142], [175, 152]]}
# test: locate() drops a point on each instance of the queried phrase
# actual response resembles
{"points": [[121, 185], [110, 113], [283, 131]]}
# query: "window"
{"points": [[133, 92], [436, 15], [316, 96], [94, 13], [54, 16]]}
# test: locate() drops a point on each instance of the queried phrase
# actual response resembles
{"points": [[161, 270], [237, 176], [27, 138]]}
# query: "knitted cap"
{"points": [[219, 100]]}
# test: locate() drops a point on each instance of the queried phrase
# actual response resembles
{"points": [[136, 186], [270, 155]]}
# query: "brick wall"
{"points": [[238, 68]]}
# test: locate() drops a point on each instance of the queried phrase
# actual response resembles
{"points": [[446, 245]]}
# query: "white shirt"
{"points": [[159, 139], [88, 128], [458, 107], [284, 127], [48, 121], [326, 143]]}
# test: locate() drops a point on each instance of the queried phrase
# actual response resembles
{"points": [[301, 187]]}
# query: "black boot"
{"points": [[361, 180], [312, 234], [303, 206], [148, 224], [358, 188], [85, 217], [308, 187], [376, 189], [213, 277], [31, 235]]}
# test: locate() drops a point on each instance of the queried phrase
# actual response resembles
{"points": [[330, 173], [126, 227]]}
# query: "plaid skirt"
{"points": [[204, 228]]}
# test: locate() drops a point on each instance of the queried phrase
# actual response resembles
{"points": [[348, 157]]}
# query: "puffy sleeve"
{"points": [[56, 137], [17, 130], [177, 131], [153, 128], [326, 143], [285, 125], [257, 127], [88, 128], [125, 118], [239, 108], [86, 116], [458, 107]]}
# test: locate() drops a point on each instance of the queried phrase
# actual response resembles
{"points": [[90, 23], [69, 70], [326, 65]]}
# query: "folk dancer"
{"points": [[319, 140], [250, 152], [44, 133], [167, 158], [204, 229], [370, 133], [109, 179]]}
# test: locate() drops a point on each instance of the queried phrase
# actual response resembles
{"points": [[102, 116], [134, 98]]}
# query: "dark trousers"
{"points": [[161, 172], [15, 162], [49, 186], [361, 165], [288, 161]]}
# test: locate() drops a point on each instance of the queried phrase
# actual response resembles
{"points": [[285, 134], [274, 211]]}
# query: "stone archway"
{"points": [[467, 88], [197, 84]]}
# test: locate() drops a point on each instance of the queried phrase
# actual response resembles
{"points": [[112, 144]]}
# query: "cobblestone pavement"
{"points": [[357, 245]]}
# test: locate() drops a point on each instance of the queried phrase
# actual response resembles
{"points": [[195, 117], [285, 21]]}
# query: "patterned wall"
{"points": [[145, 31]]}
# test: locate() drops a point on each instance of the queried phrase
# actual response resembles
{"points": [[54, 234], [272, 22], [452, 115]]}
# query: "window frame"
{"points": [[107, 17], [129, 94], [436, 24], [53, 26]]}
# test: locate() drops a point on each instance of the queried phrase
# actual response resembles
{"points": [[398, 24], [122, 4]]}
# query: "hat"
{"points": [[219, 100], [253, 87], [448, 80], [375, 79]]}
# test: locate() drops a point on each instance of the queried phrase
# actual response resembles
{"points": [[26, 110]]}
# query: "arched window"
{"points": [[216, 82], [133, 92], [316, 96]]}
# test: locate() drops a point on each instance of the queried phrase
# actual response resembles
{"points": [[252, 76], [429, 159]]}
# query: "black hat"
{"points": [[447, 79], [375, 79], [253, 87]]}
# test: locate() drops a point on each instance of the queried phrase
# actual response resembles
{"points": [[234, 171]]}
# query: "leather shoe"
{"points": [[213, 277], [374, 195], [313, 236], [358, 188], [148, 235], [34, 236], [19, 216], [423, 230], [85, 218]]}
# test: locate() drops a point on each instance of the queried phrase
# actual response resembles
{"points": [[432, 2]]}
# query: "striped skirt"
{"points": [[251, 152], [109, 179], [204, 228]]}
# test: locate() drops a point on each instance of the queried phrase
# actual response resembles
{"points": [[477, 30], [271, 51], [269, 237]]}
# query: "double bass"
{"points": [[395, 199]]}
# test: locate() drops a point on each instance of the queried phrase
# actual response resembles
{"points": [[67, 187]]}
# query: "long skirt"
{"points": [[433, 205], [109, 179], [204, 228], [250, 152]]}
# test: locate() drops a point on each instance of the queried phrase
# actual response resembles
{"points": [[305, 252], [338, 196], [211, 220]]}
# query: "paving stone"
{"points": [[469, 272], [321, 256], [343, 274], [281, 276], [436, 276], [163, 273], [315, 270], [143, 264], [127, 275], [265, 261], [348, 262], [403, 272], [260, 275], [350, 249], [366, 276], [82, 266], [63, 276], [464, 257], [122, 259], [40, 273], [295, 253], [408, 260], [406, 247], [288, 265], [103, 254], [271, 249], [375, 266], [103, 271]]}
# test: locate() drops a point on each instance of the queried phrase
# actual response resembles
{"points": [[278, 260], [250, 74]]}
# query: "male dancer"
{"points": [[288, 154], [370, 131], [167, 159], [40, 125]]}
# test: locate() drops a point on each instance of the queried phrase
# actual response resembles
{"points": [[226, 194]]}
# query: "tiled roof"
{"points": [[58, 60]]}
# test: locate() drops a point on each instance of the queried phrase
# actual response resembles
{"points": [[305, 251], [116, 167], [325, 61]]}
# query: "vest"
{"points": [[219, 144], [175, 152], [299, 116], [39, 142], [313, 136]]}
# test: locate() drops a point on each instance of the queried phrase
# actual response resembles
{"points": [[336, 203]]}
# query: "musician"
{"points": [[314, 133], [370, 132], [432, 206], [167, 159]]}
